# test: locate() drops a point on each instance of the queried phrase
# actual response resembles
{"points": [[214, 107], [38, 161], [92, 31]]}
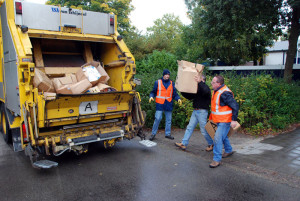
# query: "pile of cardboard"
{"points": [[185, 81], [90, 78]]}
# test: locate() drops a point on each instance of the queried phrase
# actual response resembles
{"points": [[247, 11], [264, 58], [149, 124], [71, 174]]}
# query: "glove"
{"points": [[179, 102], [151, 99]]}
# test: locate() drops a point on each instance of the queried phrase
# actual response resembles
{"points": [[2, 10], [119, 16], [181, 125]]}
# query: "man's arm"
{"points": [[227, 99], [154, 90]]}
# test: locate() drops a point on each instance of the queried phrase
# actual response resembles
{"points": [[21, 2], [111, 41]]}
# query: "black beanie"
{"points": [[166, 71]]}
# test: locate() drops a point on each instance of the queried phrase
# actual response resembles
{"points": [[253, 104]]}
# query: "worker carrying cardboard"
{"points": [[224, 112], [164, 92]]}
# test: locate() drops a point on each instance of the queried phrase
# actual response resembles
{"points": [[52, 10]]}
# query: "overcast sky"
{"points": [[147, 11]]}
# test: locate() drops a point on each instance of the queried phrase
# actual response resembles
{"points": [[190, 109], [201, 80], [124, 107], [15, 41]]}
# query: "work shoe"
{"points": [[209, 148], [152, 137], [180, 145], [214, 164], [169, 137], [225, 155]]}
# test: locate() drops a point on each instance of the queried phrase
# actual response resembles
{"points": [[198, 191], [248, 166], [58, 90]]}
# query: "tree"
{"points": [[165, 33], [121, 8], [292, 18], [234, 31]]}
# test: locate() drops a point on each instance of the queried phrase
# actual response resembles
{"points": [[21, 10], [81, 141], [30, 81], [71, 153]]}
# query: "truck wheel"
{"points": [[5, 127]]}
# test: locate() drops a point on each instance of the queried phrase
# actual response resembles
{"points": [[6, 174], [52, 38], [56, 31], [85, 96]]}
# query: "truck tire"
{"points": [[5, 126]]}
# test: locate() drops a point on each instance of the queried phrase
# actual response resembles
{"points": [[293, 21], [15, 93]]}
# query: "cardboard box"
{"points": [[103, 75], [90, 73], [42, 82], [211, 128], [60, 82], [105, 88], [80, 87], [185, 81]]}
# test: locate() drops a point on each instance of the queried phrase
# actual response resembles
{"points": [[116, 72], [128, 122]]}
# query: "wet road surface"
{"points": [[130, 171]]}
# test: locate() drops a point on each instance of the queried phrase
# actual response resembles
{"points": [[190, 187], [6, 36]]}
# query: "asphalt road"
{"points": [[130, 171]]}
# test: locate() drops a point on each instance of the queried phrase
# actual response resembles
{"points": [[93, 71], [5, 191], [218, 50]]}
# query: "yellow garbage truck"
{"points": [[57, 41]]}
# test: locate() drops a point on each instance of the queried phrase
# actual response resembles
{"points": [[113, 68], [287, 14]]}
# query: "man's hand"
{"points": [[179, 102], [233, 124], [151, 99]]}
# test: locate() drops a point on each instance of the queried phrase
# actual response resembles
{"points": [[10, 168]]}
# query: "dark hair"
{"points": [[220, 79]]}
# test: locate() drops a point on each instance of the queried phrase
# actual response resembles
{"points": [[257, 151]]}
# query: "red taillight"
{"points": [[18, 7], [25, 138], [112, 21], [124, 114]]}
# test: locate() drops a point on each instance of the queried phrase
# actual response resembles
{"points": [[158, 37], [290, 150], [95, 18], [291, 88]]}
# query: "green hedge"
{"points": [[266, 103]]}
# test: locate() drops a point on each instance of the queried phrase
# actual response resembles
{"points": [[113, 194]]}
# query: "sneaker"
{"points": [[225, 155], [152, 137], [214, 164], [169, 137], [209, 148], [180, 145]]}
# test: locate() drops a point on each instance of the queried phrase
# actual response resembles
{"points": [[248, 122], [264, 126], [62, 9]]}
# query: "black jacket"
{"points": [[201, 100]]}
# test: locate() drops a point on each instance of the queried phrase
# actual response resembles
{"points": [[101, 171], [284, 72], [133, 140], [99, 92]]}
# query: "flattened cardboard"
{"points": [[49, 96], [42, 82], [64, 90], [211, 128], [80, 87]]}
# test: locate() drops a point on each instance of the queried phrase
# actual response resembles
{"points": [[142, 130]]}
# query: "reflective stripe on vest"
{"points": [[161, 98]]}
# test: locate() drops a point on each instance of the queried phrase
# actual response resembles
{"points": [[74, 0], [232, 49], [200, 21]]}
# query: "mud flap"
{"points": [[16, 138]]}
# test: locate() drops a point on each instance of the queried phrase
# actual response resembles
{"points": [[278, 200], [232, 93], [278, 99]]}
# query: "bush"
{"points": [[266, 103]]}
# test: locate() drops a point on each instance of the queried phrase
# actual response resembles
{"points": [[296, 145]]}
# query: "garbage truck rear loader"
{"points": [[57, 42]]}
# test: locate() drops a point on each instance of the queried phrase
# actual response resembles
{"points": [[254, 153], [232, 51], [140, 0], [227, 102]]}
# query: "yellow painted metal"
{"points": [[34, 33]]}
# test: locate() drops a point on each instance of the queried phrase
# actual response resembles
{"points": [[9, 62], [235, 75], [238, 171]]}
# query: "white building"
{"points": [[276, 54]]}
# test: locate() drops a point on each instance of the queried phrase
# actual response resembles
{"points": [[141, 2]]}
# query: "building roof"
{"points": [[279, 46]]}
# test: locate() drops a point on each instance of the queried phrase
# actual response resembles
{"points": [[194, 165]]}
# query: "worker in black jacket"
{"points": [[201, 102]]}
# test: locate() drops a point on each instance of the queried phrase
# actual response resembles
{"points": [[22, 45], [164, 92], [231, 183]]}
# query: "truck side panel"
{"points": [[10, 73]]}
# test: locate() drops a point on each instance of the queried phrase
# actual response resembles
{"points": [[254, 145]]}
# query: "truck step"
{"points": [[148, 143], [45, 164]]}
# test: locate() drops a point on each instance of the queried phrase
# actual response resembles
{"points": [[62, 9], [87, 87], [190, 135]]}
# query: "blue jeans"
{"points": [[158, 117], [198, 116], [220, 139]]}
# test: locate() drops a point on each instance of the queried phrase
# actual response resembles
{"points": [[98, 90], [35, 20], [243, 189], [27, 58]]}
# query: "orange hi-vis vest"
{"points": [[220, 113], [163, 93]]}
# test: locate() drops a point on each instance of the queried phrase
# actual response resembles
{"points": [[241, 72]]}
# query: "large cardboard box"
{"points": [[185, 81], [211, 128], [42, 82], [62, 81]]}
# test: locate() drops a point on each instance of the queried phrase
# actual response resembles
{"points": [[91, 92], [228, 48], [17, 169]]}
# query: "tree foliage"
{"points": [[121, 8], [165, 35], [233, 31]]}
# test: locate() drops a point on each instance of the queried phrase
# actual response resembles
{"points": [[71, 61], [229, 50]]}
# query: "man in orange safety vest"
{"points": [[164, 92], [224, 112]]}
